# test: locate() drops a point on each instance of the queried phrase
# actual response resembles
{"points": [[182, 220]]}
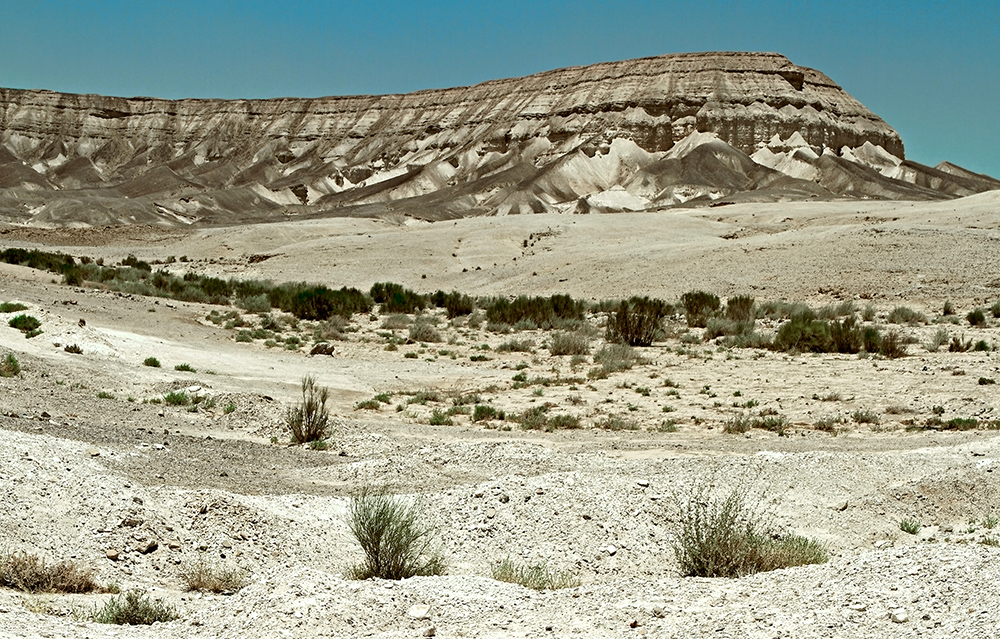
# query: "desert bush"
{"points": [[959, 344], [892, 345], [185, 368], [516, 346], [439, 418], [135, 608], [316, 302], [394, 298], [910, 526], [613, 358], [543, 311], [976, 317], [738, 424], [699, 306], [397, 320], [616, 422], [728, 535], [9, 367], [209, 577], [865, 417], [801, 333], [994, 309], [393, 533], [939, 339], [566, 343], [368, 404], [636, 321], [536, 576], [254, 303], [484, 412], [176, 398], [455, 304], [840, 309], [906, 315], [424, 331], [740, 309], [152, 362], [723, 326], [13, 307], [75, 349], [846, 336], [309, 419], [24, 323], [30, 573]]}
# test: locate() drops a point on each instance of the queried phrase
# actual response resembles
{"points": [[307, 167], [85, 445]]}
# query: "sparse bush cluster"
{"points": [[134, 608], [636, 322], [727, 535], [30, 573], [308, 421], [394, 535]]}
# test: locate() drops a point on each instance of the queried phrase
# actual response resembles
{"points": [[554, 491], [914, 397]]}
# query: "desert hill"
{"points": [[646, 134]]}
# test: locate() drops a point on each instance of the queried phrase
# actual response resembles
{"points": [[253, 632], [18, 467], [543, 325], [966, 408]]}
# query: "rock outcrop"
{"points": [[668, 130]]}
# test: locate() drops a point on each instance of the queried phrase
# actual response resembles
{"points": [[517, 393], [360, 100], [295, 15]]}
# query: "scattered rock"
{"points": [[840, 506], [146, 546], [644, 483], [112, 554], [419, 611], [899, 616], [93, 452]]}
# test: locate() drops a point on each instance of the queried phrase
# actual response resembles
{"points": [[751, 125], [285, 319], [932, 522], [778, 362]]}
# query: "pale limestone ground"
{"points": [[591, 501]]}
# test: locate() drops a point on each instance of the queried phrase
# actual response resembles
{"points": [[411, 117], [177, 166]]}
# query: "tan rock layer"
{"points": [[746, 98]]}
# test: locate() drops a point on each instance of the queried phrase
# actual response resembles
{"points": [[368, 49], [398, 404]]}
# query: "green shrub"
{"points": [[316, 302], [865, 417], [24, 323], [73, 348], [699, 306], [994, 310], [423, 331], [176, 398], [537, 576], [185, 368], [483, 412], [636, 322], [516, 346], [976, 317], [616, 422], [396, 320], [13, 307], [152, 362], [566, 343], [309, 419], [740, 309], [905, 315], [135, 608], [9, 367], [543, 311], [30, 573], [948, 309], [393, 298], [206, 577], [254, 303], [455, 304], [727, 535], [394, 536], [613, 358], [439, 418], [986, 381], [368, 404], [804, 334], [910, 526]]}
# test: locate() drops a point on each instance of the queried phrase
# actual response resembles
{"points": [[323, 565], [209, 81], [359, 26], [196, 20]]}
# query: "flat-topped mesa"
{"points": [[746, 98], [687, 129]]}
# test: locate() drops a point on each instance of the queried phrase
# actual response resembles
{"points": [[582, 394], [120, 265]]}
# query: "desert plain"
{"points": [[97, 469]]}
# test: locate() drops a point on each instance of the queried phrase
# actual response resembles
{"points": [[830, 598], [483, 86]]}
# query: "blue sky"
{"points": [[930, 69]]}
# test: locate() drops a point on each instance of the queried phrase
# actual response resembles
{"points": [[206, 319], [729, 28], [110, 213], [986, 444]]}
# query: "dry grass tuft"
{"points": [[30, 573]]}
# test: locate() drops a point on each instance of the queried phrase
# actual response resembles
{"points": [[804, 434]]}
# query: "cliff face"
{"points": [[515, 145]]}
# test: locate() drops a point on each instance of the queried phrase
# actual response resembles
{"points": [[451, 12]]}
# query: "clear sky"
{"points": [[930, 69]]}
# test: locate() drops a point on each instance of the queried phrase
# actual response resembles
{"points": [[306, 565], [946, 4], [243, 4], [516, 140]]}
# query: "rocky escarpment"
{"points": [[568, 139]]}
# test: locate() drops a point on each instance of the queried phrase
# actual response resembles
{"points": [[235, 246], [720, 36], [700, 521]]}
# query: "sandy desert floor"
{"points": [[93, 467]]}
